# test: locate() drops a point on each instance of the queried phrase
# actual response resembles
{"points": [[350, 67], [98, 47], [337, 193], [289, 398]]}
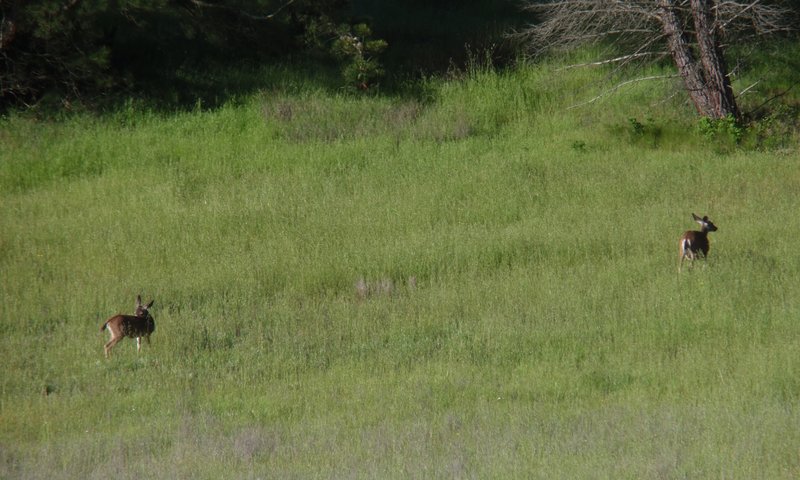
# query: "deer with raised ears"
{"points": [[694, 244], [139, 325]]}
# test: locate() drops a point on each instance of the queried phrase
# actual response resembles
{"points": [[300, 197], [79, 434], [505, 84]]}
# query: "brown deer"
{"points": [[695, 244], [139, 325]]}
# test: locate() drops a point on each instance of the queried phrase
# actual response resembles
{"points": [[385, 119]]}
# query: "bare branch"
{"points": [[202, 4], [777, 95], [692, 31], [623, 59], [620, 85], [749, 88], [566, 24], [756, 16], [570, 23]]}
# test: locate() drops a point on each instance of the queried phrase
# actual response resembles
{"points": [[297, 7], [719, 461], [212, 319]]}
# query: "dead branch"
{"points": [[242, 13], [748, 88], [620, 85], [777, 96], [756, 16], [622, 59], [570, 23], [693, 31]]}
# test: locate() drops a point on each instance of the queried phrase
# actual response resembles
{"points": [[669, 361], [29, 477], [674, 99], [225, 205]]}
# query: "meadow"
{"points": [[474, 282]]}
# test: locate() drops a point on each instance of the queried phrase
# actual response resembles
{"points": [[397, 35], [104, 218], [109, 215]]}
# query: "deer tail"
{"points": [[103, 327]]}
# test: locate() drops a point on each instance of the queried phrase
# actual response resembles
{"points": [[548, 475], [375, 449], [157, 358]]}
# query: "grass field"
{"points": [[479, 283]]}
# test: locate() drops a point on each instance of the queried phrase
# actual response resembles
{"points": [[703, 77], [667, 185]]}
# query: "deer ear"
{"points": [[705, 218], [150, 304], [695, 217], [138, 300]]}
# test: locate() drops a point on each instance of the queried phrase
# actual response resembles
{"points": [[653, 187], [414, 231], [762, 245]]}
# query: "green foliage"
{"points": [[53, 48], [579, 146], [354, 48], [649, 132], [432, 36], [73, 55], [778, 130], [724, 131], [65, 52], [359, 51], [637, 129]]}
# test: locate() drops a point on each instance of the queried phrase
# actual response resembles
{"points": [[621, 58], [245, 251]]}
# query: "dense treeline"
{"points": [[74, 48], [60, 51]]}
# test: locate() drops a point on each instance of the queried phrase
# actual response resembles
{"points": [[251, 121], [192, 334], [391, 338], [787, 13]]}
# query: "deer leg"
{"points": [[684, 255], [110, 344], [138, 344]]}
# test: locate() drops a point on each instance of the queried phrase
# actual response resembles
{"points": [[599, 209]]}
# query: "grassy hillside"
{"points": [[478, 283]]}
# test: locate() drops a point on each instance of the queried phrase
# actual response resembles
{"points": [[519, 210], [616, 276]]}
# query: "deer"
{"points": [[138, 325], [694, 244]]}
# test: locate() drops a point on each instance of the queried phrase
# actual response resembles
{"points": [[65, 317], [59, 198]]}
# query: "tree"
{"points": [[68, 50], [45, 44], [691, 32]]}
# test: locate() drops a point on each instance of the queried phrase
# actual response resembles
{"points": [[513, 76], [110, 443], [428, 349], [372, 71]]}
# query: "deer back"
{"points": [[131, 325]]}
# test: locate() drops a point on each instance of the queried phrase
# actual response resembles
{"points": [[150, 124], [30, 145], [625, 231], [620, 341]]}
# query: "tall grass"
{"points": [[481, 284]]}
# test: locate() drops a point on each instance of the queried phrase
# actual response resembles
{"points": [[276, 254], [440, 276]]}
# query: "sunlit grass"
{"points": [[479, 284]]}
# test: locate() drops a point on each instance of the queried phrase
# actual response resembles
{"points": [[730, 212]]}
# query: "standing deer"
{"points": [[694, 243], [139, 325]]}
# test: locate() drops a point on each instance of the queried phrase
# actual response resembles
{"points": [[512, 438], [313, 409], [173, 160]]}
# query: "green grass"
{"points": [[482, 283]]}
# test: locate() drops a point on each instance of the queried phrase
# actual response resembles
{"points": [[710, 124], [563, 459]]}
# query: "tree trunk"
{"points": [[8, 26], [718, 84], [706, 81]]}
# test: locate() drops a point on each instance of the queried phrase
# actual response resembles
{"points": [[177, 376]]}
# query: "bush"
{"points": [[725, 133]]}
